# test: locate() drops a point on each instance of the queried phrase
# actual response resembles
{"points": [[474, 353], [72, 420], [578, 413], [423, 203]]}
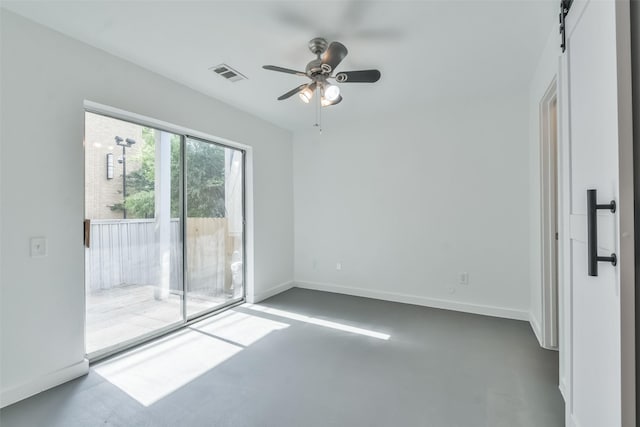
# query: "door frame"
{"points": [[635, 71], [549, 216], [625, 227], [248, 226], [185, 255]]}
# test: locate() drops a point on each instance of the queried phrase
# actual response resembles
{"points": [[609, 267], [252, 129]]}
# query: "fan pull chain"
{"points": [[318, 110]]}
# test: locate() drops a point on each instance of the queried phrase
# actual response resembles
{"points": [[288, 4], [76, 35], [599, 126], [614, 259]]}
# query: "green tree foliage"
{"points": [[205, 180]]}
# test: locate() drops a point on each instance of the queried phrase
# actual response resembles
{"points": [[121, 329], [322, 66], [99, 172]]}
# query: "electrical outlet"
{"points": [[463, 278], [314, 263], [38, 247], [339, 266]]}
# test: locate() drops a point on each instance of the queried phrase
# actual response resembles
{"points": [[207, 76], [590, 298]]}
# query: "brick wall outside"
{"points": [[100, 192]]}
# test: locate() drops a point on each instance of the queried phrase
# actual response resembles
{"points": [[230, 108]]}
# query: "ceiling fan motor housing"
{"points": [[314, 68], [318, 45]]}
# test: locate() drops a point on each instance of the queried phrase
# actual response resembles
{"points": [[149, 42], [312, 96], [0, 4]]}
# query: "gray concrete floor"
{"points": [[306, 358]]}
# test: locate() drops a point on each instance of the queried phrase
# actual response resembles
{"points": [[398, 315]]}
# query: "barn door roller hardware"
{"points": [[565, 5], [592, 232]]}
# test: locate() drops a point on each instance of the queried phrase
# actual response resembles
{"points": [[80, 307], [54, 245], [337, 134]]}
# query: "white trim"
{"points": [[249, 242], [537, 330], [275, 290], [487, 310], [563, 390], [564, 227], [549, 217], [117, 113], [42, 383]]}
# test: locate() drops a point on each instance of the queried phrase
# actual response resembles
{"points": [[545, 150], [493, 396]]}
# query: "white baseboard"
{"points": [[537, 330], [486, 310], [260, 296], [535, 325], [563, 389], [42, 383]]}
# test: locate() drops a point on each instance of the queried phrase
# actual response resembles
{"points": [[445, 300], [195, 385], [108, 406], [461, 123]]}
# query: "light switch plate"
{"points": [[38, 247], [463, 278]]}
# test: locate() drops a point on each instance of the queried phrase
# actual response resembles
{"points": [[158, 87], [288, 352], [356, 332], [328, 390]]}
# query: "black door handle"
{"points": [[592, 232]]}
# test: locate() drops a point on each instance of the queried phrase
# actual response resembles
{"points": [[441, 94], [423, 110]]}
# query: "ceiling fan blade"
{"points": [[292, 92], [283, 70], [334, 54], [362, 76]]}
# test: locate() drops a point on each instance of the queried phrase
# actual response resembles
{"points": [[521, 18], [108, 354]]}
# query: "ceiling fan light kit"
{"points": [[331, 92], [320, 70], [307, 93]]}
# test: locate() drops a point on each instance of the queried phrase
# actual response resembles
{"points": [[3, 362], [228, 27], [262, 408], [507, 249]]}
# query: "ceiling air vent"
{"points": [[228, 73]]}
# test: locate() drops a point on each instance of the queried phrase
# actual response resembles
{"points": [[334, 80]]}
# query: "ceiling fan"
{"points": [[321, 69]]}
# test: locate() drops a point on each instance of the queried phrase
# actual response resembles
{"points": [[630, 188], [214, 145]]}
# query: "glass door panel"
{"points": [[214, 231], [133, 279]]}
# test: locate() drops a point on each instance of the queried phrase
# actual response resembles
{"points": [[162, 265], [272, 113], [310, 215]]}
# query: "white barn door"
{"points": [[599, 296]]}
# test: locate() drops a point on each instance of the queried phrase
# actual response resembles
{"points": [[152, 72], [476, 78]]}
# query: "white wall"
{"points": [[546, 71], [45, 77], [405, 203]]}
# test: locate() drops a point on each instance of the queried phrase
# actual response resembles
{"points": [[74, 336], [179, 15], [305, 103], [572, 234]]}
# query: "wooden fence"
{"points": [[124, 252]]}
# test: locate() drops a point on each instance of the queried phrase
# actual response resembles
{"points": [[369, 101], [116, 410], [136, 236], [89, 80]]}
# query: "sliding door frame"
{"points": [[184, 207], [184, 133]]}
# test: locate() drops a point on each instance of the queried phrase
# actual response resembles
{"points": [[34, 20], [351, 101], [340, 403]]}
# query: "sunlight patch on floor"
{"points": [[316, 321], [159, 368], [240, 328]]}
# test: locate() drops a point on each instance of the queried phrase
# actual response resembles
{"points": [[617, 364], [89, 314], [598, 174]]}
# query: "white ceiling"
{"points": [[426, 50]]}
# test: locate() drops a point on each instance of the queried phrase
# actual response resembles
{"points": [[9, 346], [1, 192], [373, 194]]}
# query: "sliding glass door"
{"points": [[164, 231], [214, 225]]}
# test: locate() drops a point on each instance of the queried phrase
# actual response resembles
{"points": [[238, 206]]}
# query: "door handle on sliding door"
{"points": [[87, 233], [592, 232]]}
